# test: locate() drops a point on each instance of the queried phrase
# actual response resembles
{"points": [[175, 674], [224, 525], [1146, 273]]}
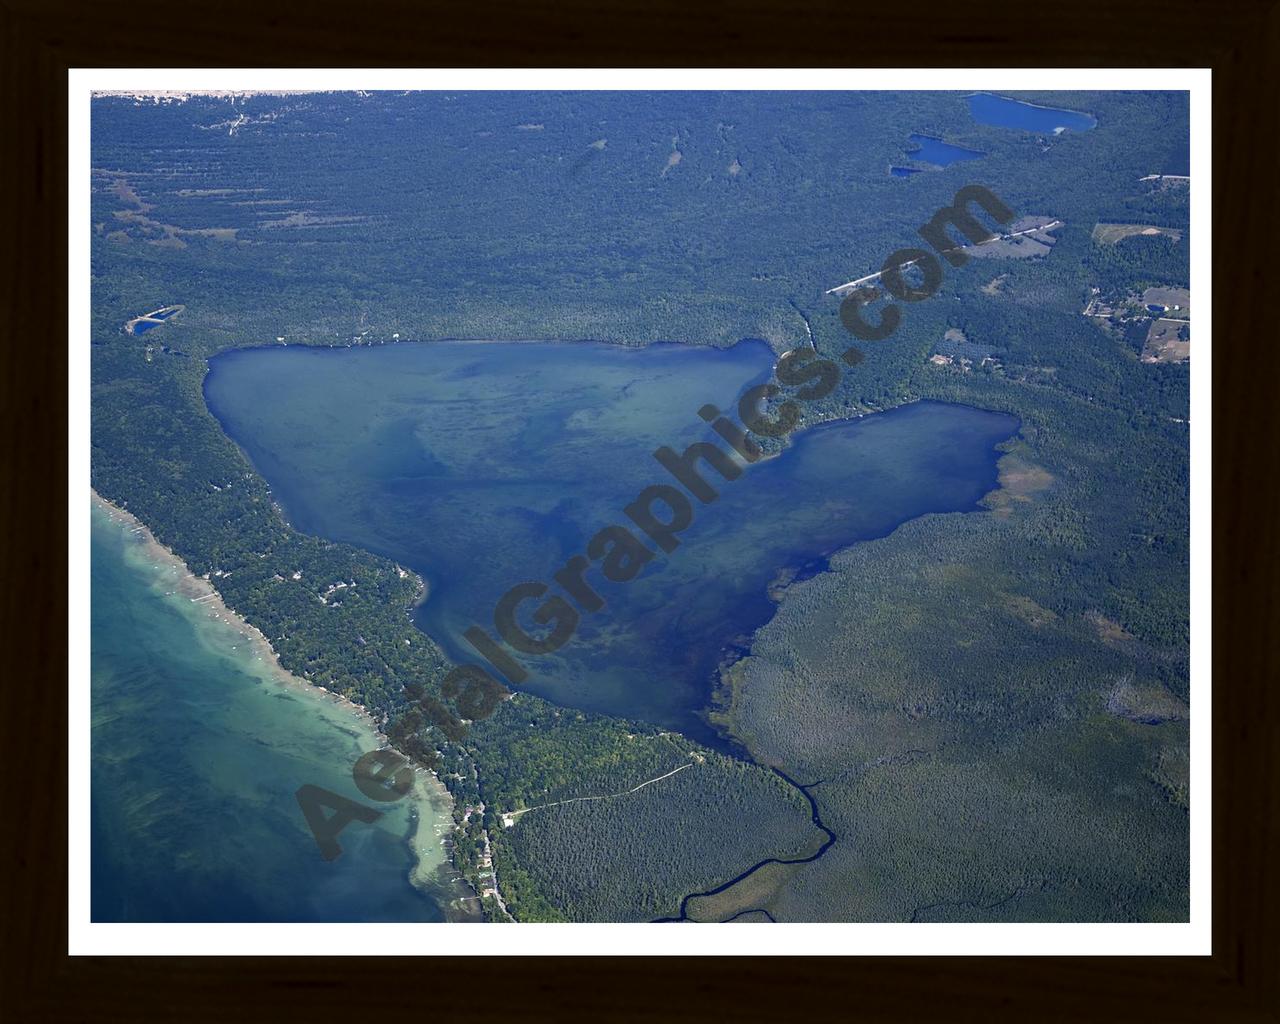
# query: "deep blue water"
{"points": [[1006, 113], [486, 465], [930, 150], [903, 172]]}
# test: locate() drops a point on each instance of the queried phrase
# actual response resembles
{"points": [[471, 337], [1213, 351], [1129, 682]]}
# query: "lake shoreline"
{"points": [[428, 854], [418, 491]]}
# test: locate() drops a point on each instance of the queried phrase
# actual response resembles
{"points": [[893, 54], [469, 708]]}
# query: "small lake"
{"points": [[1002, 112], [197, 750], [483, 465], [930, 150], [144, 323]]}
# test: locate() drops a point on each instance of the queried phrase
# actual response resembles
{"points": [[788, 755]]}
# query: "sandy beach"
{"points": [[432, 804]]}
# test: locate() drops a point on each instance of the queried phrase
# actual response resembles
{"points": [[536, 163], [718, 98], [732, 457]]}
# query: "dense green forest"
{"points": [[633, 856], [1006, 656]]}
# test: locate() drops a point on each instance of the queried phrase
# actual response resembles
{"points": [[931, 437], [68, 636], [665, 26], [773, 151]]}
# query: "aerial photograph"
{"points": [[640, 506]]}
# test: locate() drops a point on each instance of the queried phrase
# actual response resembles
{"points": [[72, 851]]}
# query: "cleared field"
{"points": [[1168, 341], [1178, 299], [1110, 234], [1028, 237], [992, 287]]}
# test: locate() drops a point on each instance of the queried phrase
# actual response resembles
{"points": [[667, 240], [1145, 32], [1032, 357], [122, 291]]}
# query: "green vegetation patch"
{"points": [[1110, 234], [633, 857]]}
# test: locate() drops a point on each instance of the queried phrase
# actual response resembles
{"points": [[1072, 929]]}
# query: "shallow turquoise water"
{"points": [[485, 465], [197, 751]]}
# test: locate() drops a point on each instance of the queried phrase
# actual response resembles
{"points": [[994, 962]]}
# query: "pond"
{"points": [[144, 323], [484, 465], [931, 150], [1003, 112]]}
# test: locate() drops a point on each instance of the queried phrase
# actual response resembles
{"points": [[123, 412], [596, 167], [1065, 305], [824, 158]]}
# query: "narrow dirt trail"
{"points": [[510, 817]]}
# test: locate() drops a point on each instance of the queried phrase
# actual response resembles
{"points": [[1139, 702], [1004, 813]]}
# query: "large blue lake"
{"points": [[483, 465]]}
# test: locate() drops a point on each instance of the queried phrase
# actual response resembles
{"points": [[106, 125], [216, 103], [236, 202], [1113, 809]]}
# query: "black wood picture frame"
{"points": [[1238, 39]]}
